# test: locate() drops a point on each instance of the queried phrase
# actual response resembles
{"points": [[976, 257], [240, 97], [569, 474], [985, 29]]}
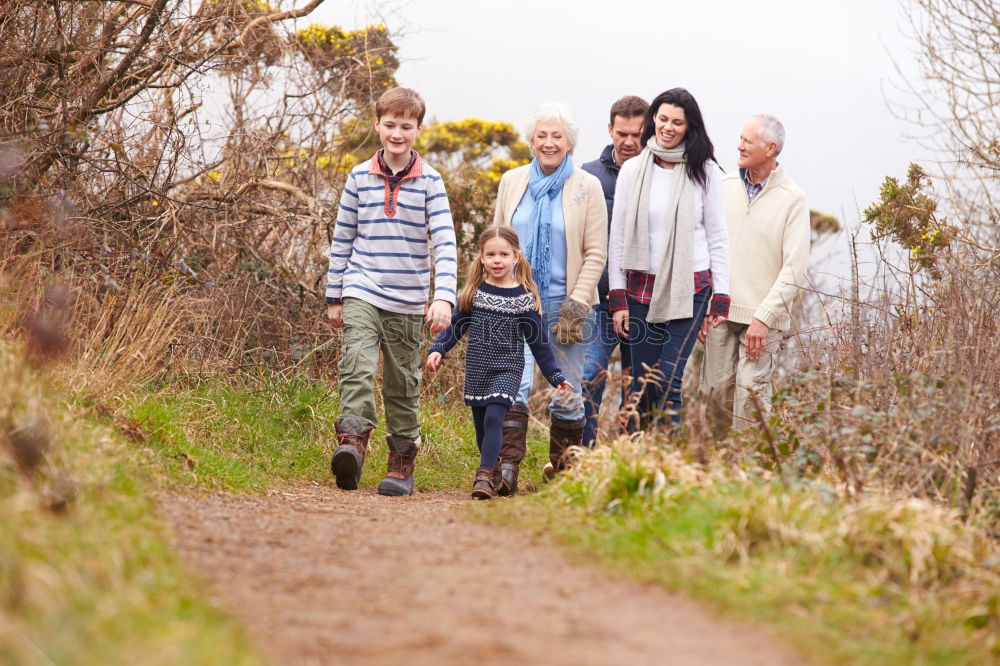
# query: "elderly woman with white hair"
{"points": [[559, 212]]}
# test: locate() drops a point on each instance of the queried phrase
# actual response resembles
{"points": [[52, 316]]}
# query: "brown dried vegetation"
{"points": [[174, 167]]}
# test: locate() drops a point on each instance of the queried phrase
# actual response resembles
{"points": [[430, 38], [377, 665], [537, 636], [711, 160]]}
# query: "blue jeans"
{"points": [[602, 344], [665, 348], [569, 358]]}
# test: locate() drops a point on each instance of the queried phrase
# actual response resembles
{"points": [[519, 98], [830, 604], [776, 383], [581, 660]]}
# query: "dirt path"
{"points": [[323, 576]]}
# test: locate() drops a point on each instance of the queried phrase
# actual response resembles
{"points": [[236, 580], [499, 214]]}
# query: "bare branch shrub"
{"points": [[178, 162], [956, 44]]}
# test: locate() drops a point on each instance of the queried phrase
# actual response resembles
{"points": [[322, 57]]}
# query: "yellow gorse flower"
{"points": [[347, 162], [332, 37], [931, 235]]}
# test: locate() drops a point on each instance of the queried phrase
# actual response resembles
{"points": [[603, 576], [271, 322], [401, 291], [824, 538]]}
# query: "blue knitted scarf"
{"points": [[543, 190]]}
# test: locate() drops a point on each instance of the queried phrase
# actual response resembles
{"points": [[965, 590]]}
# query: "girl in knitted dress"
{"points": [[499, 311]]}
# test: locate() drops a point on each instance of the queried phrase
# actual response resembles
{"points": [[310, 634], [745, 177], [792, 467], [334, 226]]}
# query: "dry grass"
{"points": [[864, 467], [873, 578], [129, 338], [904, 395], [912, 540]]}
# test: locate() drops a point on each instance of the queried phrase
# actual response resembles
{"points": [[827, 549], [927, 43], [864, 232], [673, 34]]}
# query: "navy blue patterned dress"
{"points": [[502, 320]]}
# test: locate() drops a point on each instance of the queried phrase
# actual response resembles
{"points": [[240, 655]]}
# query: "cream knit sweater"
{"points": [[768, 248], [585, 215]]}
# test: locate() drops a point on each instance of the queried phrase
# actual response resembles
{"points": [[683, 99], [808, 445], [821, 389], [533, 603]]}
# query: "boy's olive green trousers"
{"points": [[367, 331]]}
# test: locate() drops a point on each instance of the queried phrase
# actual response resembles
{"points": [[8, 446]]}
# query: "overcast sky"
{"points": [[820, 67]]}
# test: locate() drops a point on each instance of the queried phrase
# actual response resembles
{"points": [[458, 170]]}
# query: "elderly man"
{"points": [[625, 129], [768, 219]]}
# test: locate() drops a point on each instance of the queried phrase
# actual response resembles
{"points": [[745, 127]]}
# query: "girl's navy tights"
{"points": [[489, 432]]}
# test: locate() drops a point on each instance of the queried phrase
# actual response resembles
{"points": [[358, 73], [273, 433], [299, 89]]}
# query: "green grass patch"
{"points": [[871, 580], [239, 438], [217, 435], [87, 576]]}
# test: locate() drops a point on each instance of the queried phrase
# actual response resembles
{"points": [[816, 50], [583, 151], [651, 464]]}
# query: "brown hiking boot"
{"points": [[349, 457], [483, 488], [515, 437], [562, 435], [402, 459]]}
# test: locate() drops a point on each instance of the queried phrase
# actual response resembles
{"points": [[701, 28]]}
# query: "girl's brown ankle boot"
{"points": [[483, 488]]}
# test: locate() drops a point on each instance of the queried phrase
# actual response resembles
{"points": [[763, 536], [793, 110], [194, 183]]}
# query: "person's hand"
{"points": [[433, 361], [756, 339], [335, 313], [620, 318], [703, 331], [565, 387], [439, 316]]}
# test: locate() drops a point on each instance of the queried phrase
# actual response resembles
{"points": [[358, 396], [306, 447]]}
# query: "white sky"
{"points": [[819, 66]]}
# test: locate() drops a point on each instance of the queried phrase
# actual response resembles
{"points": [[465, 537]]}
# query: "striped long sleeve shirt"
{"points": [[385, 239]]}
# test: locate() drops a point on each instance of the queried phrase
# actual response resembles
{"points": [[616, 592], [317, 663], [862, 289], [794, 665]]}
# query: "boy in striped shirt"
{"points": [[393, 224]]}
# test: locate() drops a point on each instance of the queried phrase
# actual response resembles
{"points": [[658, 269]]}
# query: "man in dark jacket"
{"points": [[625, 129]]}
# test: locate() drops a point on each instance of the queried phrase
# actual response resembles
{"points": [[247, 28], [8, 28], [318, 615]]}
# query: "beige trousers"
{"points": [[729, 379]]}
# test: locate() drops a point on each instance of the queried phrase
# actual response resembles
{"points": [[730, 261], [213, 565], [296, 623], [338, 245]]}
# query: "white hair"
{"points": [[553, 111], [771, 131]]}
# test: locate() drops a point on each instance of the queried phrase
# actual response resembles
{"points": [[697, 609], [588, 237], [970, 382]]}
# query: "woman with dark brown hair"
{"points": [[668, 253]]}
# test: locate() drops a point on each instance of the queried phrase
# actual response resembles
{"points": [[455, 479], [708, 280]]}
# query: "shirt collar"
{"points": [[746, 179], [384, 168], [608, 157]]}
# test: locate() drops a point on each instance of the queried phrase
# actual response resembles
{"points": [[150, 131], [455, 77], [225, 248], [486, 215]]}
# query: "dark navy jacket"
{"points": [[606, 171]]}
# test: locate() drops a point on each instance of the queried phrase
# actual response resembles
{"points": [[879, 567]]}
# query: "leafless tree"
{"points": [[959, 48], [956, 100], [197, 141]]}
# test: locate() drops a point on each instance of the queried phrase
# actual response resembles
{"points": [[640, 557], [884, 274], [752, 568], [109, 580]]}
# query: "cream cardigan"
{"points": [[585, 215], [769, 248]]}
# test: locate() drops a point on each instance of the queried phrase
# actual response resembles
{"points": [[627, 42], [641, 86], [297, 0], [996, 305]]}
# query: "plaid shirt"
{"points": [[392, 178], [753, 189], [639, 288]]}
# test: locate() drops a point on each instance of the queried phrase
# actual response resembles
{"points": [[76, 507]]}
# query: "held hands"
{"points": [[433, 361], [565, 387], [710, 320], [438, 315], [620, 318]]}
